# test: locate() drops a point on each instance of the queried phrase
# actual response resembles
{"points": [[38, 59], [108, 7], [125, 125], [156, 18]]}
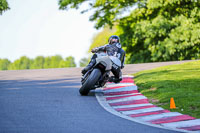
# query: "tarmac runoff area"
{"points": [[124, 100]]}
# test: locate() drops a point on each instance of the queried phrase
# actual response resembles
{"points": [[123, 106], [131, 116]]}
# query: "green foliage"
{"points": [[70, 62], [105, 11], [58, 62], [3, 6], [47, 62], [39, 62], [55, 61], [20, 64], [4, 63], [162, 31], [84, 61]]}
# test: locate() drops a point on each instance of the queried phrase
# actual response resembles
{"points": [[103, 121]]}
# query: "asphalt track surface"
{"points": [[48, 101]]}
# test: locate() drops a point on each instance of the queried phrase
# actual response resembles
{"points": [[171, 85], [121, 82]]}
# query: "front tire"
{"points": [[90, 82]]}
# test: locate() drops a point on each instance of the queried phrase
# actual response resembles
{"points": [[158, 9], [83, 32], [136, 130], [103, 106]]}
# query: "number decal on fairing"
{"points": [[115, 54]]}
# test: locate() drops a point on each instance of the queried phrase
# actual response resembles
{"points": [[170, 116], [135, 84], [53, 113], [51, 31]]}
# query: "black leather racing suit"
{"points": [[113, 50]]}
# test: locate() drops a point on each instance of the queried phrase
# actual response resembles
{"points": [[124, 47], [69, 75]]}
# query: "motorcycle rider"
{"points": [[113, 48]]}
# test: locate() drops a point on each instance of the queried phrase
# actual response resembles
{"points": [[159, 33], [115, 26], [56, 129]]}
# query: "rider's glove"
{"points": [[122, 67], [94, 50]]}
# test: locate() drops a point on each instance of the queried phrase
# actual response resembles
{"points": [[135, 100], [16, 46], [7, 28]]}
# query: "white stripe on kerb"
{"points": [[188, 123], [142, 110], [122, 95], [129, 88], [127, 76], [120, 84], [158, 116], [131, 106], [127, 99]]}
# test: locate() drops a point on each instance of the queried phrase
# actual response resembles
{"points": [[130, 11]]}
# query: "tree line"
{"points": [[156, 30], [39, 62]]}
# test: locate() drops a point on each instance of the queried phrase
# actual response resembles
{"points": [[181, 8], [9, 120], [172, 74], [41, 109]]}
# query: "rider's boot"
{"points": [[89, 66], [114, 79], [117, 78]]}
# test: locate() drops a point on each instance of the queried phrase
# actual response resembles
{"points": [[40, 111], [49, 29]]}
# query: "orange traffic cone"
{"points": [[172, 103]]}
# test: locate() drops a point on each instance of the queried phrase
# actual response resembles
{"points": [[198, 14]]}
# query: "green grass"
{"points": [[182, 82]]}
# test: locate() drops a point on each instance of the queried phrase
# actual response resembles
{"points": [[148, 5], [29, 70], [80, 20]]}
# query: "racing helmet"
{"points": [[113, 39]]}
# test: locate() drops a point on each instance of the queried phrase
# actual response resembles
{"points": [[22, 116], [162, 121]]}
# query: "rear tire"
{"points": [[90, 82]]}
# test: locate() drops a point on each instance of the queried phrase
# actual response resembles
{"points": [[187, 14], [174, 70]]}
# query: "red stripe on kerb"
{"points": [[120, 93], [192, 128], [142, 101], [128, 80], [149, 113], [110, 88], [113, 98], [135, 108], [172, 119]]}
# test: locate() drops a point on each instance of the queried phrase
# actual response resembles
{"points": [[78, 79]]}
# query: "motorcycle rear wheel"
{"points": [[90, 82]]}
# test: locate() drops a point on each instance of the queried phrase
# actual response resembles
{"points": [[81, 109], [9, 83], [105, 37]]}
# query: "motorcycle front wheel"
{"points": [[90, 82]]}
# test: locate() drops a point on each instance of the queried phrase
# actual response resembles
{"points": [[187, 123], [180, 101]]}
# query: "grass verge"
{"points": [[182, 82]]}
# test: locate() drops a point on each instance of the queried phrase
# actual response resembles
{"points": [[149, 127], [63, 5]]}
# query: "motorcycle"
{"points": [[98, 75]]}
